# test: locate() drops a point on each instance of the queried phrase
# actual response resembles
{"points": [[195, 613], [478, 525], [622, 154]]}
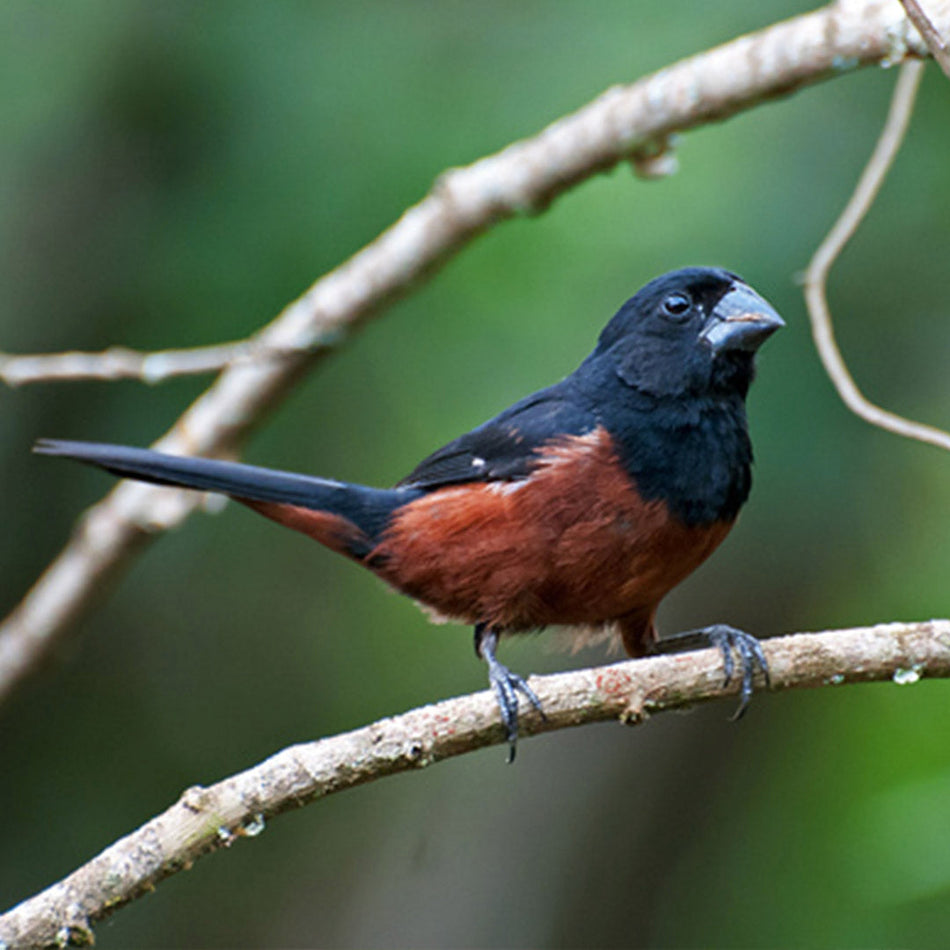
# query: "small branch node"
{"points": [[657, 159]]}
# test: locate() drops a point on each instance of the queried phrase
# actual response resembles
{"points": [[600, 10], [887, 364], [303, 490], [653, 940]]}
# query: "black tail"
{"points": [[368, 509]]}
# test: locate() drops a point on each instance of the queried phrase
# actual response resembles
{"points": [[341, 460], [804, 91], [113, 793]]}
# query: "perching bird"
{"points": [[582, 505]]}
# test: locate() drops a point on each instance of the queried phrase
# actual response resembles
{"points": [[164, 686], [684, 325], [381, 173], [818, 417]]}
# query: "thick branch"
{"points": [[624, 122], [208, 819]]}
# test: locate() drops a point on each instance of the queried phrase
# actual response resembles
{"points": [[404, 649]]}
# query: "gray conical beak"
{"points": [[742, 320]]}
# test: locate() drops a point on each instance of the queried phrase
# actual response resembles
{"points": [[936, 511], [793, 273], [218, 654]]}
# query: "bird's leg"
{"points": [[726, 638], [505, 684]]}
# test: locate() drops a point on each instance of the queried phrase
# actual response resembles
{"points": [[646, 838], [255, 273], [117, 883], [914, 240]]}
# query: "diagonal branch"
{"points": [[209, 819], [931, 35], [816, 276], [624, 122]]}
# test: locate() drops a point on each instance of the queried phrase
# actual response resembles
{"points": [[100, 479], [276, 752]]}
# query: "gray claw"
{"points": [[505, 685]]}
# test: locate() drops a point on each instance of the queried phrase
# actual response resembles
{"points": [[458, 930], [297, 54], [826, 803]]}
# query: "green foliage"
{"points": [[173, 174]]}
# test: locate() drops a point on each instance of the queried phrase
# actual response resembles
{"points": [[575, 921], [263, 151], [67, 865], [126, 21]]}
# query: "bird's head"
{"points": [[690, 331]]}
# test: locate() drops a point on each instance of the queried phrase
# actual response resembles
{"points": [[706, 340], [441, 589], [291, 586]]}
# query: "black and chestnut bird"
{"points": [[582, 505]]}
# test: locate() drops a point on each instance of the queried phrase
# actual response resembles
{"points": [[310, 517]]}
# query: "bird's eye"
{"points": [[677, 305]]}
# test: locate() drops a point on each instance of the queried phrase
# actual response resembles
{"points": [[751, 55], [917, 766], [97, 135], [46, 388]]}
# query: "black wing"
{"points": [[505, 448]]}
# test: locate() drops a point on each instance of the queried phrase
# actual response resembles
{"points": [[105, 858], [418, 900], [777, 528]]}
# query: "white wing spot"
{"points": [[506, 488]]}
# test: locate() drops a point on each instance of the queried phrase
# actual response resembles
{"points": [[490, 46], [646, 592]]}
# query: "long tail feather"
{"points": [[367, 509]]}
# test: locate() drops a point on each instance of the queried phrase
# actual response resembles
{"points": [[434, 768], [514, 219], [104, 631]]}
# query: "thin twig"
{"points": [[931, 36], [118, 362], [816, 276], [209, 819], [523, 178]]}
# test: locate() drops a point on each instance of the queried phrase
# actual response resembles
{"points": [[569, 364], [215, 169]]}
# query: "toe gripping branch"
{"points": [[726, 639], [505, 685]]}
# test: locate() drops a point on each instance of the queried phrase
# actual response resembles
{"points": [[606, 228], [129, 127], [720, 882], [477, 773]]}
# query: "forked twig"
{"points": [[816, 276]]}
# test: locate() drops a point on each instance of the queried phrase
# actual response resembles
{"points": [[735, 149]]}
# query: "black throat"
{"points": [[694, 456], [690, 451]]}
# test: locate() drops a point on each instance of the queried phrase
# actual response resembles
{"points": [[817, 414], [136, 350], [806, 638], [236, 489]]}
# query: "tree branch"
{"points": [[816, 276], [931, 36], [209, 819], [118, 362]]}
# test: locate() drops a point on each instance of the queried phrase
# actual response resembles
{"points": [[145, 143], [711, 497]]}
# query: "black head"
{"points": [[693, 330]]}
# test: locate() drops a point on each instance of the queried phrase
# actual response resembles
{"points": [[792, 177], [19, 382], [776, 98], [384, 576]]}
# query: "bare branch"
{"points": [[816, 276], [118, 362], [209, 819], [935, 42], [625, 122]]}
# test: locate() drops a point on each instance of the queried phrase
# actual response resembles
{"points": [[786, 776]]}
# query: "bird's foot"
{"points": [[505, 685], [726, 639]]}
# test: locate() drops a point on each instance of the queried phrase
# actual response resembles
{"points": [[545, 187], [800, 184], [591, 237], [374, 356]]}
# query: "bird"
{"points": [[582, 505]]}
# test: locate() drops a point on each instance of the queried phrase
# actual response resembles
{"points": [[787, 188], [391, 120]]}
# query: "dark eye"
{"points": [[677, 305]]}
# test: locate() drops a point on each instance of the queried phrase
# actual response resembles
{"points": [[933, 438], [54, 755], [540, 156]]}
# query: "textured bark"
{"points": [[204, 820]]}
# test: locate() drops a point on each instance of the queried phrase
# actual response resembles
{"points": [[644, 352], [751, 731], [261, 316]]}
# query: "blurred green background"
{"points": [[172, 174]]}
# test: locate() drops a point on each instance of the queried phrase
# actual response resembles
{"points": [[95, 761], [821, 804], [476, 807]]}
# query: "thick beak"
{"points": [[742, 320]]}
